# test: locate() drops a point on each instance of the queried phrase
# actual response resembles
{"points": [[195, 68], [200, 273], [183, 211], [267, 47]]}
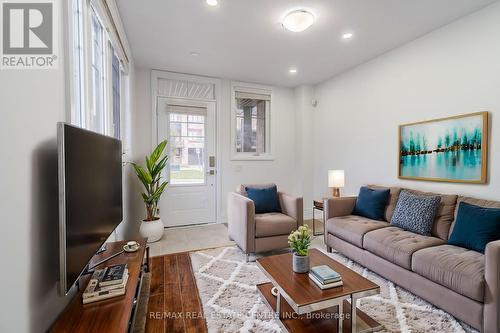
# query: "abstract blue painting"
{"points": [[450, 149]]}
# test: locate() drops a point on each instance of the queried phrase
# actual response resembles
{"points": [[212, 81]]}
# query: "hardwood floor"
{"points": [[174, 304]]}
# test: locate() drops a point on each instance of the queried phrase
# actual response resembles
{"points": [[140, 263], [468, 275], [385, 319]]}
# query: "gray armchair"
{"points": [[262, 232]]}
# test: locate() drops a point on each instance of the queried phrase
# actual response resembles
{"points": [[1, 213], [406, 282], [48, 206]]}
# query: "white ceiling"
{"points": [[244, 40]]}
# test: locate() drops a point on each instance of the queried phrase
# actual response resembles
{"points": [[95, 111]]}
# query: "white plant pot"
{"points": [[152, 230]]}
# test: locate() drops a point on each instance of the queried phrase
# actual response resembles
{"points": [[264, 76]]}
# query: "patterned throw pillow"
{"points": [[415, 213]]}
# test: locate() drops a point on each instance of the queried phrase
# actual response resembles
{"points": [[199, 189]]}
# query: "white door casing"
{"points": [[189, 126]]}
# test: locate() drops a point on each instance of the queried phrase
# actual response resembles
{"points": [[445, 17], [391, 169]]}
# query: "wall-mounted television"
{"points": [[90, 197]]}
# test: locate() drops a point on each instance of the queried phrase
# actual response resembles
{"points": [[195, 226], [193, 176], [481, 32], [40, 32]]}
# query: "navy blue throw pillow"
{"points": [[371, 203], [265, 199], [475, 227]]}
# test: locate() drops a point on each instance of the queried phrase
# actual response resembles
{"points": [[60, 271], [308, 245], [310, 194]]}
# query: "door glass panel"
{"points": [[196, 130], [187, 149]]}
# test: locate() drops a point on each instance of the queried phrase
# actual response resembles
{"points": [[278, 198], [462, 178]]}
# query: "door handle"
{"points": [[211, 172]]}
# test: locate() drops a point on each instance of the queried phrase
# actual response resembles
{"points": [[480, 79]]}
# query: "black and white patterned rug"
{"points": [[231, 303]]}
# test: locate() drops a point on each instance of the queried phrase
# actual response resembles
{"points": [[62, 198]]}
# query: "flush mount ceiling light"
{"points": [[212, 2], [298, 20], [347, 35], [194, 54], [292, 71]]}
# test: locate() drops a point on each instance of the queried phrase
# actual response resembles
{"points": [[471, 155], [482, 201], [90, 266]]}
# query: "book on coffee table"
{"points": [[325, 274], [325, 286]]}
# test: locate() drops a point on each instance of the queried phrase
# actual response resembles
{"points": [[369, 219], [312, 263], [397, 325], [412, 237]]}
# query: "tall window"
{"points": [[98, 116], [78, 64], [250, 125], [116, 90], [98, 66], [251, 121]]}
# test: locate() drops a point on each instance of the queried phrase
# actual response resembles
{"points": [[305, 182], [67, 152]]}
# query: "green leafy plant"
{"points": [[300, 240], [151, 178]]}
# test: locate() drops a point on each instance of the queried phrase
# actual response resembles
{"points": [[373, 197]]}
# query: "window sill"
{"points": [[251, 157]]}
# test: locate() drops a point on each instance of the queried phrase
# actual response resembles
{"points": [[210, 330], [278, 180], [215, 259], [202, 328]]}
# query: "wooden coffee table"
{"points": [[303, 307]]}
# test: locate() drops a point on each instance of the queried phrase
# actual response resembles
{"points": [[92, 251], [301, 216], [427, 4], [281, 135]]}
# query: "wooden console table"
{"points": [[111, 315]]}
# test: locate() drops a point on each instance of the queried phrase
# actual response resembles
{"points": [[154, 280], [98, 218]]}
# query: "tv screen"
{"points": [[90, 196]]}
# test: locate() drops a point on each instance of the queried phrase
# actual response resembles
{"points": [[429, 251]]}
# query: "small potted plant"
{"points": [[300, 241], [151, 179]]}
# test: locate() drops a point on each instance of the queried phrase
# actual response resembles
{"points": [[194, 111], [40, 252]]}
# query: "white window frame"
{"points": [[82, 105], [253, 89], [77, 10], [112, 54], [104, 80]]}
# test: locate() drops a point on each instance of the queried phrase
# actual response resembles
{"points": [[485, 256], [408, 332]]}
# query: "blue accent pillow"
{"points": [[371, 203], [475, 227], [415, 213], [265, 199]]}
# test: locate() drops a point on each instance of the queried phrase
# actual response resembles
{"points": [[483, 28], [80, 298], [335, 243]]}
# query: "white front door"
{"points": [[189, 127]]}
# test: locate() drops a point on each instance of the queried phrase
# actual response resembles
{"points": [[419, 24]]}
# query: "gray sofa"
{"points": [[462, 282], [262, 232]]}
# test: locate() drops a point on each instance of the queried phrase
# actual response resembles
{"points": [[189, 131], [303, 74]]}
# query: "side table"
{"points": [[318, 205]]}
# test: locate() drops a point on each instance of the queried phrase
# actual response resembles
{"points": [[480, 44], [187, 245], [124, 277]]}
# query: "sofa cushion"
{"points": [[454, 267], [273, 224], [371, 203], [445, 214], [266, 200], [352, 228], [473, 201], [415, 213], [391, 203], [397, 245], [475, 227], [241, 189]]}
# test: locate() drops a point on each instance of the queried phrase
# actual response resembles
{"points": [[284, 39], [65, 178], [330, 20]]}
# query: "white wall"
{"points": [[281, 170], [141, 135], [31, 103], [451, 71]]}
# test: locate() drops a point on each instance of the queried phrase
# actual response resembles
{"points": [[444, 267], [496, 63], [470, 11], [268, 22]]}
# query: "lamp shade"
{"points": [[336, 178]]}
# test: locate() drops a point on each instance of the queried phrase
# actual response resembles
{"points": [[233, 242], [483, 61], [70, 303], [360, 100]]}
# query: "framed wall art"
{"points": [[453, 149]]}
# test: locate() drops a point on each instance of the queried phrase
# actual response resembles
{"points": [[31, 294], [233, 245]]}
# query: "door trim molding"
{"points": [[157, 75]]}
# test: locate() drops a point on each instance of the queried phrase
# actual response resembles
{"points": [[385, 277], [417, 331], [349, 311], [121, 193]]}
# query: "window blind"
{"points": [[187, 109], [248, 95]]}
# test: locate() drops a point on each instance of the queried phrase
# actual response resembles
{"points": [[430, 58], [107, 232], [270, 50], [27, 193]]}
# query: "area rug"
{"points": [[231, 303]]}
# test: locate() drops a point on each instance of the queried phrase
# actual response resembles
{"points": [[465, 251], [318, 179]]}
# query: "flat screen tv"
{"points": [[90, 197]]}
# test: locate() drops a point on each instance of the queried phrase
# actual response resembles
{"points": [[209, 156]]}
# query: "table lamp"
{"points": [[336, 181]]}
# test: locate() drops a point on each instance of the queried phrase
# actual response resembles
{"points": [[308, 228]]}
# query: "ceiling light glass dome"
{"points": [[298, 20]]}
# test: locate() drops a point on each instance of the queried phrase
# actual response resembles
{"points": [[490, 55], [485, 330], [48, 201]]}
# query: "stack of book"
{"points": [[325, 277], [106, 283]]}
